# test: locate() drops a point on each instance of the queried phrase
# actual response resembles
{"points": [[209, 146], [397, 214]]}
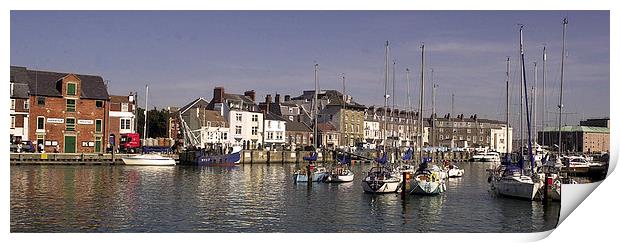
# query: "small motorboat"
{"points": [[148, 159]]}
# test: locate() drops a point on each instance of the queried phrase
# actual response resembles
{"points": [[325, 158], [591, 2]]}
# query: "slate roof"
{"points": [[295, 126], [269, 116], [43, 83]]}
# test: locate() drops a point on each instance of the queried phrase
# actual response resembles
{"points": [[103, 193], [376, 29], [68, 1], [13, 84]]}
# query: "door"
{"points": [[97, 144], [70, 144]]}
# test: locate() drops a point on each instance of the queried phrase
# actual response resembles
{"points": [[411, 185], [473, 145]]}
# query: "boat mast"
{"points": [[409, 108], [527, 112], [433, 113], [564, 23], [507, 102], [534, 102], [146, 111], [393, 104], [386, 96], [544, 101], [316, 107], [420, 119], [521, 95]]}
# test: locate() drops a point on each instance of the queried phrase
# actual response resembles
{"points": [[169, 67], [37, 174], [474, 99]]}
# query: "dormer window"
{"points": [[71, 88]]}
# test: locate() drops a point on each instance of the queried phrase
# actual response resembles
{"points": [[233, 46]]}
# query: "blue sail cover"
{"points": [[427, 160], [313, 156], [408, 154], [383, 159], [343, 159]]}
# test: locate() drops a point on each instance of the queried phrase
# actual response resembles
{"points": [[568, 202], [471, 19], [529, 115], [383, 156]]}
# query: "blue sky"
{"points": [[184, 54]]}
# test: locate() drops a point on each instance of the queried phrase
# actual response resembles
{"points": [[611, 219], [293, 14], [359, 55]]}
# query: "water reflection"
{"points": [[252, 198]]}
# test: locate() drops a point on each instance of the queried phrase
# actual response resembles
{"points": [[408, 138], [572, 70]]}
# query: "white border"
{"points": [[593, 221]]}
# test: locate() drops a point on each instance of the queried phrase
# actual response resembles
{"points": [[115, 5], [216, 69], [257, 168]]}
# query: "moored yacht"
{"points": [[148, 159]]}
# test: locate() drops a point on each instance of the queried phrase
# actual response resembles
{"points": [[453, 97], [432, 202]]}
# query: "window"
{"points": [[225, 136], [238, 130], [40, 123], [254, 118], [12, 77], [70, 89], [40, 100], [70, 124], [99, 104], [239, 117], [268, 123], [124, 106], [125, 124], [468, 130], [12, 121], [279, 135], [269, 135], [26, 104], [98, 125], [254, 130], [70, 105], [440, 137], [12, 104]]}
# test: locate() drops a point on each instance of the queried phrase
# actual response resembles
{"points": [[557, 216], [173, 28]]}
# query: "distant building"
{"points": [[472, 132], [328, 135], [202, 127], [20, 107], [243, 116], [390, 128], [65, 110], [298, 135], [274, 131], [577, 139], [122, 115], [346, 115], [595, 122]]}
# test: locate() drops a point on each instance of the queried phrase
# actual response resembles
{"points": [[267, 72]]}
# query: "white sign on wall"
{"points": [[86, 122], [55, 120]]}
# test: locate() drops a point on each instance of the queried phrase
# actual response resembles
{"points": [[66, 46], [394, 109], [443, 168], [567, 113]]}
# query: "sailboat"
{"points": [[341, 172], [148, 159], [381, 178], [317, 173], [513, 180], [426, 181]]}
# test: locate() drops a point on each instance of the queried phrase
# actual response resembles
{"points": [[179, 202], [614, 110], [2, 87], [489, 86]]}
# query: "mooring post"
{"points": [[403, 187]]}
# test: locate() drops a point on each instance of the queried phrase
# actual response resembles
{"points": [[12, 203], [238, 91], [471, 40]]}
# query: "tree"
{"points": [[157, 122]]}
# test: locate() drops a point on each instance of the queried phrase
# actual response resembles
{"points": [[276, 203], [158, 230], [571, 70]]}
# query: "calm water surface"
{"points": [[257, 198]]}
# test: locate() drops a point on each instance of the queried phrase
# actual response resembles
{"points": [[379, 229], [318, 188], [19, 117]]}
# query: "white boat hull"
{"points": [[452, 173], [299, 177], [517, 189], [149, 160], [340, 178], [427, 188], [381, 186]]}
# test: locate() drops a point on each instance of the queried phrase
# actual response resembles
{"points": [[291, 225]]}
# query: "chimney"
{"points": [[250, 94], [267, 103], [268, 99], [277, 98], [218, 94], [287, 98]]}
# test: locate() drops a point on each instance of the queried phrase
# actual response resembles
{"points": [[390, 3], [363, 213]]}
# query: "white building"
{"points": [[205, 128], [274, 131], [499, 142], [244, 118], [372, 133], [20, 106]]}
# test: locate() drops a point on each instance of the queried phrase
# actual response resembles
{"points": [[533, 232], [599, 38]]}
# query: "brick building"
{"points": [[66, 111], [578, 139]]}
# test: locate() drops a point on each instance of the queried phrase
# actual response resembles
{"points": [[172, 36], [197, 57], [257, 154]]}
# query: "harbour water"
{"points": [[252, 198]]}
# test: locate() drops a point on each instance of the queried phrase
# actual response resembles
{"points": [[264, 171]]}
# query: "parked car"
{"points": [[27, 147]]}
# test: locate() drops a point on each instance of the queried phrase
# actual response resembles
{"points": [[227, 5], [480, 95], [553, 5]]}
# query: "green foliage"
{"points": [[157, 123]]}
